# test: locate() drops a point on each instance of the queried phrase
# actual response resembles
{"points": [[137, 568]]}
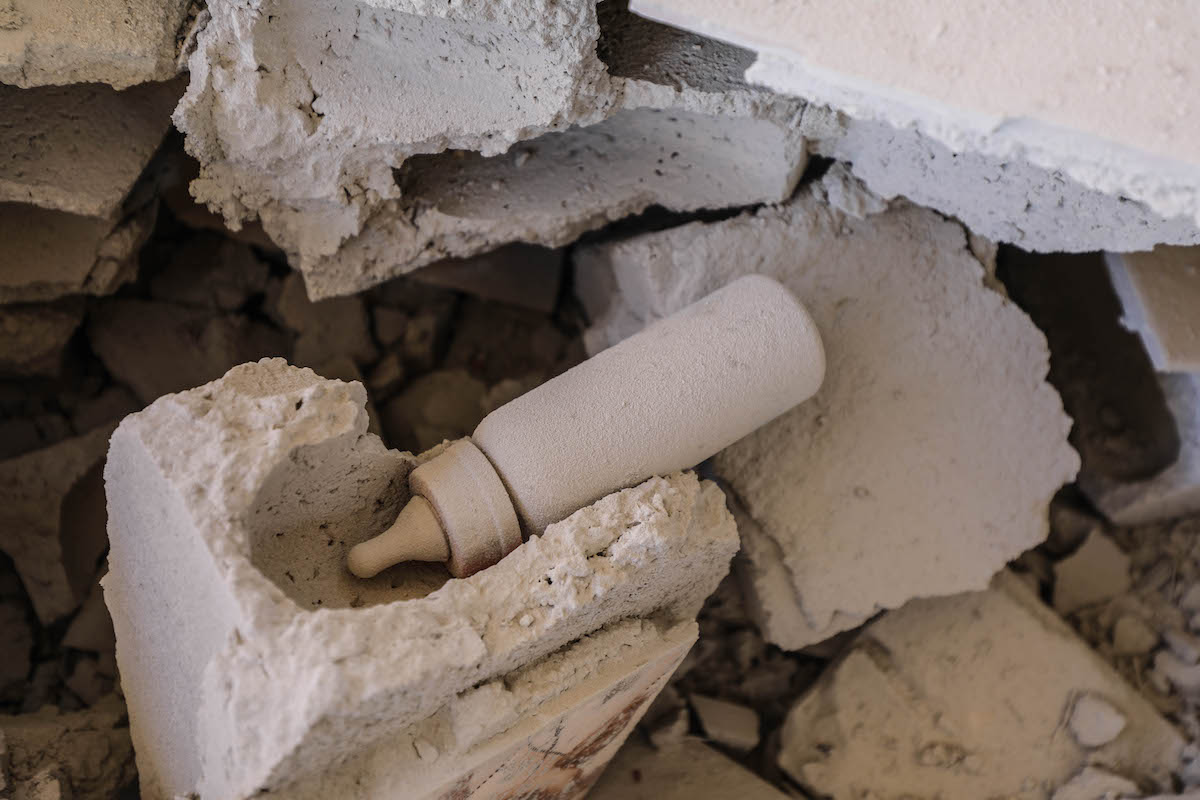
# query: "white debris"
{"points": [[1160, 292], [1094, 721], [978, 687], [79, 148], [731, 724], [311, 154], [1042, 93], [689, 771], [272, 468], [118, 42], [1097, 571], [838, 526]]}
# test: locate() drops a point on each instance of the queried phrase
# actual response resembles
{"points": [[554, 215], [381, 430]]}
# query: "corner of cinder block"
{"points": [[231, 509]]}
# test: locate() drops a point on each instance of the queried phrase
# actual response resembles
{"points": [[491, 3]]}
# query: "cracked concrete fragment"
{"points": [[52, 520], [48, 254], [1053, 110], [32, 338], [843, 528], [80, 148], [1172, 492], [731, 724], [88, 751], [1160, 292], [1097, 571], [118, 42], [239, 500], [978, 685], [355, 198], [690, 770], [159, 348]]}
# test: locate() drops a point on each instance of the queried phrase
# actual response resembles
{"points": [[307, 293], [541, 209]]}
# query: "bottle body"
{"points": [[662, 400]]}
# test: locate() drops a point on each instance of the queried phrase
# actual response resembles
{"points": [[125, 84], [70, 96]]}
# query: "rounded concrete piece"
{"points": [[662, 400], [475, 511]]}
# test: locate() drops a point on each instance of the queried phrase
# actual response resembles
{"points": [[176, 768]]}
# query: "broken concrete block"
{"points": [[688, 771], [232, 507], [1097, 571], [839, 527], [1052, 111], [52, 517], [979, 687], [32, 338], [49, 254], [211, 271], [446, 404], [517, 274], [159, 348], [1160, 291], [1173, 492], [325, 329], [109, 41], [731, 724], [666, 119], [80, 148], [89, 751]]}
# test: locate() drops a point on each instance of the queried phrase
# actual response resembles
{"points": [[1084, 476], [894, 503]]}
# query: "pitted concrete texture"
{"points": [[364, 177], [232, 507], [80, 148], [1042, 94], [979, 688], [926, 460], [118, 42]]}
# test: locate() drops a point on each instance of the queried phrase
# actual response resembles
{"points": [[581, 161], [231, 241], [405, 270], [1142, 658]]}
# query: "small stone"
{"points": [[730, 724], [1094, 721], [326, 329], [33, 337], [525, 621], [1184, 677], [87, 683], [211, 271], [446, 404], [1184, 645], [1097, 571], [1132, 636], [387, 376], [1190, 601], [424, 336]]}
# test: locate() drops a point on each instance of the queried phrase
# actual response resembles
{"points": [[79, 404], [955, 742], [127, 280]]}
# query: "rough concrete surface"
{"points": [[52, 518], [1160, 292], [49, 254], [80, 148], [118, 42], [1051, 104], [670, 123], [260, 483], [877, 489], [976, 690]]}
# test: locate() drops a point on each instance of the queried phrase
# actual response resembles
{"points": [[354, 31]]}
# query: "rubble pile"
{"points": [[260, 261]]}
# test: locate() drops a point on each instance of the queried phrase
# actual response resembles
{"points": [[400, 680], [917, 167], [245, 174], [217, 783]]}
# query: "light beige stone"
{"points": [[731, 724], [921, 355], [1097, 571], [979, 687]]}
